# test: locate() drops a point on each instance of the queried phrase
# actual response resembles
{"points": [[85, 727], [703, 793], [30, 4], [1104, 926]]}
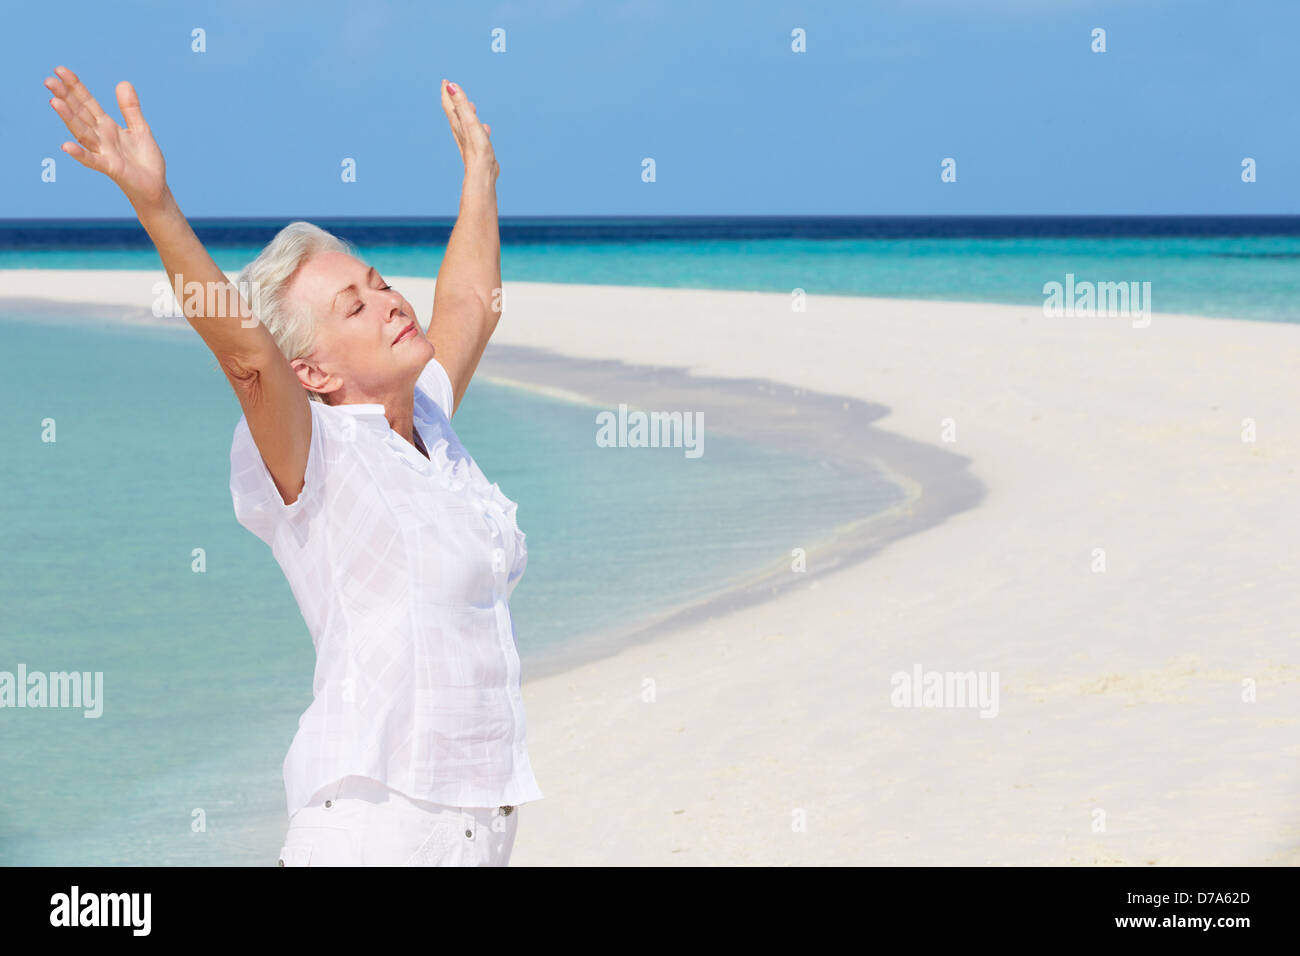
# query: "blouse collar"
{"points": [[372, 413]]}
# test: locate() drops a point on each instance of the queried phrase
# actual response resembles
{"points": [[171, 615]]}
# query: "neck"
{"points": [[399, 409], [401, 419]]}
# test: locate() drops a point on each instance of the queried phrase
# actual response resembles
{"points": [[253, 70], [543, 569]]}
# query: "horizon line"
{"points": [[660, 216]]}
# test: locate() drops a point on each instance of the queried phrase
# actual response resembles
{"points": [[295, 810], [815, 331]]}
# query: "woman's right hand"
{"points": [[129, 157]]}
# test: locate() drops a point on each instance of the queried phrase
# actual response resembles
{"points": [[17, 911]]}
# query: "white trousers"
{"points": [[358, 821]]}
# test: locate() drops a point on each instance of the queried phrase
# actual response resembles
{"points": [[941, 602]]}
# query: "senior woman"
{"points": [[400, 554]]}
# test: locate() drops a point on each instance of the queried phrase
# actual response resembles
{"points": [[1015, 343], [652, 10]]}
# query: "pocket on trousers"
{"points": [[318, 846], [295, 856], [442, 845]]}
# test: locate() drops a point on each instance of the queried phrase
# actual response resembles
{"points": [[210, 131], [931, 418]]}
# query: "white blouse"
{"points": [[402, 567]]}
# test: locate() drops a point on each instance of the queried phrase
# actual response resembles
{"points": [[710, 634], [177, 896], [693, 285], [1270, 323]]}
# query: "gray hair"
{"points": [[292, 324]]}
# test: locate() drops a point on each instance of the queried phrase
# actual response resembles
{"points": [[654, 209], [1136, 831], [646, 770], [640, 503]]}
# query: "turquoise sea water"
{"points": [[206, 673], [1233, 268]]}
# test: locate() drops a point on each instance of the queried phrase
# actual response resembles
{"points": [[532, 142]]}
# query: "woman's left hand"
{"points": [[471, 135]]}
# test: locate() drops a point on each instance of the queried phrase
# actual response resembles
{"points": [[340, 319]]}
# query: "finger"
{"points": [[449, 104], [75, 124], [87, 159], [79, 94], [487, 130], [464, 109], [471, 130], [60, 90], [467, 113], [457, 130], [129, 103]]}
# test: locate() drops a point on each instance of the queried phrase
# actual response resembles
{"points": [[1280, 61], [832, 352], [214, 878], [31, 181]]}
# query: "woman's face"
{"points": [[369, 347]]}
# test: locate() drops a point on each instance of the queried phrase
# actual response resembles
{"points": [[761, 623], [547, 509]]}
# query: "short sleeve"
{"points": [[258, 505], [435, 383]]}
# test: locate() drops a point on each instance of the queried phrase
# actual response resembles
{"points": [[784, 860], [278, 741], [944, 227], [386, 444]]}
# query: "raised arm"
{"points": [[466, 301], [274, 401]]}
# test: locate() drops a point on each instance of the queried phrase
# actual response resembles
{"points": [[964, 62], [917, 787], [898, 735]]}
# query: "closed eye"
{"points": [[361, 305]]}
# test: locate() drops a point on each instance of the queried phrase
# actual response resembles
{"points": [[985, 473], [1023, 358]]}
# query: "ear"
{"points": [[313, 378]]}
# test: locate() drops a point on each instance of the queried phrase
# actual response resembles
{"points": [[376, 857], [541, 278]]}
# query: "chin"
{"points": [[420, 350]]}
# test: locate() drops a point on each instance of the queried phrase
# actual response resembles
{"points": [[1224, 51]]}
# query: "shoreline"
{"points": [[129, 291], [33, 280], [936, 482]]}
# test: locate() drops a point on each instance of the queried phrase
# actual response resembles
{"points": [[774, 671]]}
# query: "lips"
{"points": [[406, 333]]}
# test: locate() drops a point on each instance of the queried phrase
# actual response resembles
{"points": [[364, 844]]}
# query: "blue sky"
{"points": [[736, 123]]}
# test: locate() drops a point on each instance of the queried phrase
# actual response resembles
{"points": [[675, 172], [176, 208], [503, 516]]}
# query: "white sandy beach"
{"points": [[1120, 692]]}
